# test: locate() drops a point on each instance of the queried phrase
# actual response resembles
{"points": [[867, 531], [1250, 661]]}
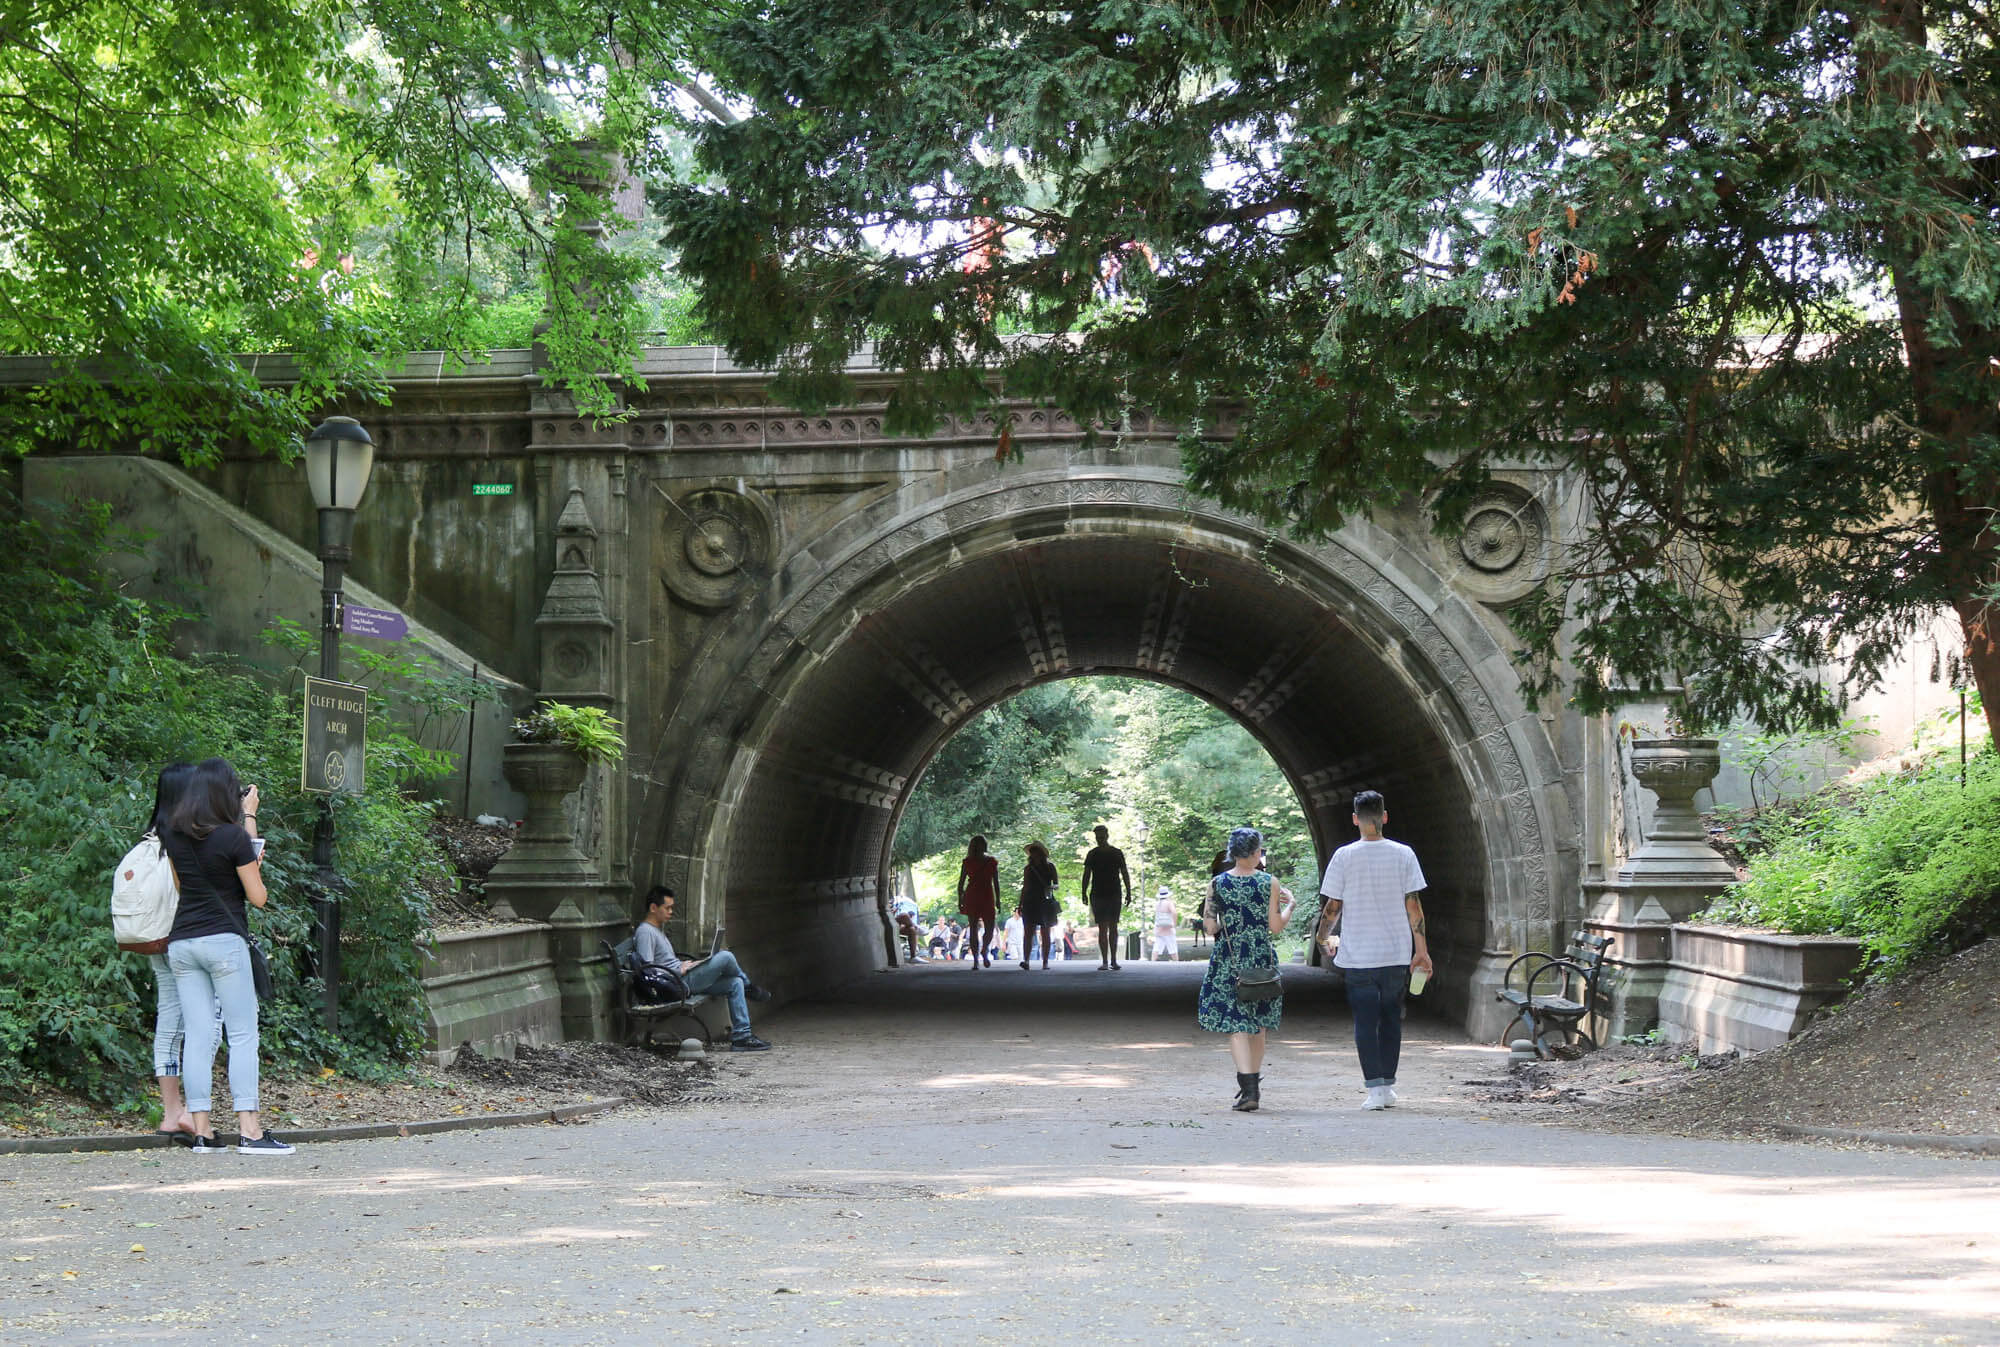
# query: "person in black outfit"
{"points": [[220, 869], [1107, 886], [1039, 907], [174, 1120]]}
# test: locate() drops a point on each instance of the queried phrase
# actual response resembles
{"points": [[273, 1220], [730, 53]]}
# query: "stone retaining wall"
{"points": [[1729, 987], [493, 988]]}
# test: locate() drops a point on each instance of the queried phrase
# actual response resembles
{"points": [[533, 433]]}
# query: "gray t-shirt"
{"points": [[652, 949]]}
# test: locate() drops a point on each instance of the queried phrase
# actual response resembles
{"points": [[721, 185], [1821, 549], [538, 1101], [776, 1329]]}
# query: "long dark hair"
{"points": [[213, 797], [976, 847], [167, 792]]}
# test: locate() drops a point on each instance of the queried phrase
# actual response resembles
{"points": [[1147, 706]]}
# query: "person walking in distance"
{"points": [[1245, 908], [1166, 920], [1107, 887], [1372, 890], [1040, 909], [175, 1121], [979, 897]]}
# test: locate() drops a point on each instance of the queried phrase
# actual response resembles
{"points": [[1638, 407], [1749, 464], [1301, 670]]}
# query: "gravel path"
{"points": [[946, 1156]]}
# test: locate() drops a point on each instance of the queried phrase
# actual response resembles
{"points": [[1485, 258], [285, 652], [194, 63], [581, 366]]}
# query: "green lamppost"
{"points": [[339, 457]]}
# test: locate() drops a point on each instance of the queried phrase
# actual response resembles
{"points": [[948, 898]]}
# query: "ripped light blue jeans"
{"points": [[167, 1024], [211, 972]]}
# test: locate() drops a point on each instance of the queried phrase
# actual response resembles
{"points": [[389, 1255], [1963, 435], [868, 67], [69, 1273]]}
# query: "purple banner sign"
{"points": [[380, 623]]}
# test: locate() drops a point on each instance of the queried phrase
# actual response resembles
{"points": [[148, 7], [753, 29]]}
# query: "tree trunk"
{"points": [[1961, 496], [1982, 656]]}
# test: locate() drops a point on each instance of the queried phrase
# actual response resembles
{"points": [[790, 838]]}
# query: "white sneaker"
{"points": [[1390, 1096], [1378, 1098]]}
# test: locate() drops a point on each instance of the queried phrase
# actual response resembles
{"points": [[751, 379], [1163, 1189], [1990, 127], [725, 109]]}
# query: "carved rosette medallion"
{"points": [[716, 542], [1504, 551]]}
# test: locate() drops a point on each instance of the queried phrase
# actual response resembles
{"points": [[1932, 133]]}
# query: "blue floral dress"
{"points": [[1243, 903]]}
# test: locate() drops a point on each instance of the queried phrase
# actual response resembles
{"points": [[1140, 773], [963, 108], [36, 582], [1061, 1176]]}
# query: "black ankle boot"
{"points": [[1246, 1091]]}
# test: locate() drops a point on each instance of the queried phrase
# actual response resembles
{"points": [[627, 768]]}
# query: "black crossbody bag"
{"points": [[260, 967]]}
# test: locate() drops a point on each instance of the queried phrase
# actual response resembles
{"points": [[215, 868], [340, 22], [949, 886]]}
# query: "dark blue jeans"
{"points": [[1375, 995]]}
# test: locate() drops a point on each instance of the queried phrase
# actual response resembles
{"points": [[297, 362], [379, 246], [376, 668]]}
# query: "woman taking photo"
{"points": [[221, 875], [174, 1120], [1243, 912], [1039, 909], [979, 897]]}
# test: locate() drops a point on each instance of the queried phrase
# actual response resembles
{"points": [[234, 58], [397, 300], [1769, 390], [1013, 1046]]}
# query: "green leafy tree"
{"points": [[1052, 763], [1734, 265], [338, 182], [987, 776]]}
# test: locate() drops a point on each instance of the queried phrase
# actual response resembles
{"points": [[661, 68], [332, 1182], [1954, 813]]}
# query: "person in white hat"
{"points": [[1166, 922]]}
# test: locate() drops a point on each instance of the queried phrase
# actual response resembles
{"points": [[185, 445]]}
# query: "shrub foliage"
{"points": [[1909, 865], [93, 702]]}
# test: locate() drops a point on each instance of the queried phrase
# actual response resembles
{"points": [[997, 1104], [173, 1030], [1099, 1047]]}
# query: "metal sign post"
{"points": [[332, 762]]}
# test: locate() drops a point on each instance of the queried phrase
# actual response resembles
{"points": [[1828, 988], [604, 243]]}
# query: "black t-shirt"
{"points": [[1102, 871], [212, 901]]}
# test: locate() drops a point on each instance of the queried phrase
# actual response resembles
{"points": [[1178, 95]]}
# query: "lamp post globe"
{"points": [[339, 457]]}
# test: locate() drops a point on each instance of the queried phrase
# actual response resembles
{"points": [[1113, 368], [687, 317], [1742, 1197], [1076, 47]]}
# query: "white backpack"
{"points": [[144, 898]]}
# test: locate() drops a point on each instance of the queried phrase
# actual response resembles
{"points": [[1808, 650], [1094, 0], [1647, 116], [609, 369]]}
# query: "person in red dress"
{"points": [[979, 897]]}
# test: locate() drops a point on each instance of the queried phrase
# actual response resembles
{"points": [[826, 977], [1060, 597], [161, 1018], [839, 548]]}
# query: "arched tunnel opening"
{"points": [[1167, 773], [856, 706]]}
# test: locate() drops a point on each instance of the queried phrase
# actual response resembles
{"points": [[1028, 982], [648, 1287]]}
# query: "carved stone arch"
{"points": [[1449, 676]]}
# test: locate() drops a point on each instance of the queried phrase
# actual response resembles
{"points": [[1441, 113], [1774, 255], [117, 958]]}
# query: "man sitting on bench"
{"points": [[719, 973]]}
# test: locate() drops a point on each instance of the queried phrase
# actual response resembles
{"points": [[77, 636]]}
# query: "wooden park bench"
{"points": [[636, 1016], [1566, 999]]}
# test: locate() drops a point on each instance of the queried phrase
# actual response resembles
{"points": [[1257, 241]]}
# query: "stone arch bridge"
{"points": [[792, 612]]}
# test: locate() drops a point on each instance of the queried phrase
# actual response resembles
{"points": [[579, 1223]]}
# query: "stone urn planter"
{"points": [[1675, 770], [543, 866], [547, 774], [1676, 850]]}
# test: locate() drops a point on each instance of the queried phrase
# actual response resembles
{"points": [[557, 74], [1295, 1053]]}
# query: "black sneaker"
{"points": [[265, 1145], [750, 1044], [752, 992], [207, 1146]]}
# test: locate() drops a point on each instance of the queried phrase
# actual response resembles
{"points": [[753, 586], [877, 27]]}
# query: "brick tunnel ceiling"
{"points": [[858, 726]]}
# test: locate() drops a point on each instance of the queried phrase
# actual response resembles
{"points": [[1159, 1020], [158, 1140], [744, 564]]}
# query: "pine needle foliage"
{"points": [[1731, 266]]}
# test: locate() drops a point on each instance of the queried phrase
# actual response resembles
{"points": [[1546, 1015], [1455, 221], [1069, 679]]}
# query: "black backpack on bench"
{"points": [[653, 986]]}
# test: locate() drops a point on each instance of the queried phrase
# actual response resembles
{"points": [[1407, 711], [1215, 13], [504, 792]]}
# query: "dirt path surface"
{"points": [[939, 1155]]}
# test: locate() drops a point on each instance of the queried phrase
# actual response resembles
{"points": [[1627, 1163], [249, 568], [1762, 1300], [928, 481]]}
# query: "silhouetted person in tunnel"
{"points": [[1107, 887], [904, 910], [979, 897], [1372, 890], [1039, 907]]}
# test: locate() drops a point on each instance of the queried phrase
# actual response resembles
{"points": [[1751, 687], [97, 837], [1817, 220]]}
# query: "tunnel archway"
{"points": [[1352, 663]]}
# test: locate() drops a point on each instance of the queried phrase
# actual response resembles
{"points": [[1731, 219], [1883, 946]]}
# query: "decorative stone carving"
{"points": [[574, 626], [1503, 552], [716, 542]]}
